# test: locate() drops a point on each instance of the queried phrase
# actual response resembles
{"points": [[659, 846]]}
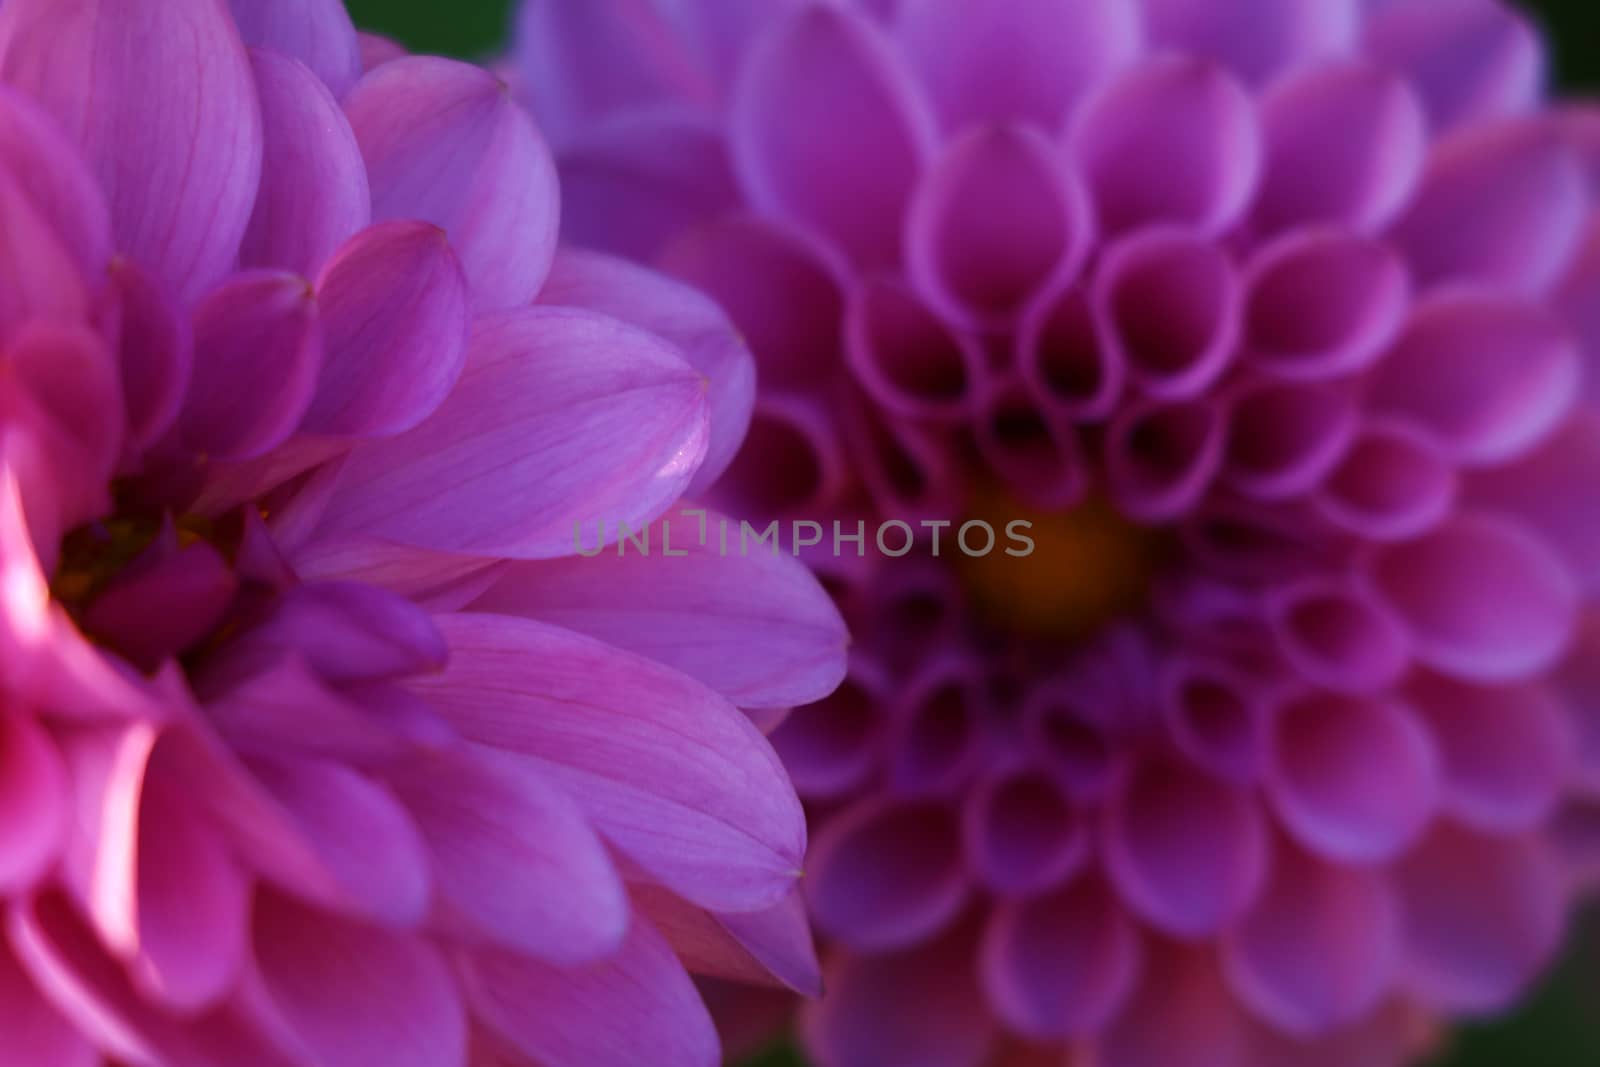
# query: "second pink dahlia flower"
{"points": [[1276, 319], [288, 388]]}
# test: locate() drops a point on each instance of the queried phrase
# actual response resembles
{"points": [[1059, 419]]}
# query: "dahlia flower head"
{"points": [[292, 380], [1277, 320]]}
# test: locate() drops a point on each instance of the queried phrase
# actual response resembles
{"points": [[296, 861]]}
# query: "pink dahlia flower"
{"points": [[318, 747], [1277, 320]]}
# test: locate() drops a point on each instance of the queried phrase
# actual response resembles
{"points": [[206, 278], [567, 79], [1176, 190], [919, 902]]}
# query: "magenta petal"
{"points": [[1181, 1011], [677, 313], [1173, 140], [157, 352], [1502, 205], [1482, 916], [1152, 822], [1395, 483], [1060, 965], [35, 1033], [159, 96], [1471, 60], [1353, 779], [1481, 598], [47, 282], [637, 1006], [395, 310], [562, 418], [1259, 39], [376, 50], [669, 773], [1344, 918], [313, 182], [34, 802], [257, 353], [436, 581], [756, 628], [829, 747], [1162, 457], [851, 180], [1284, 439], [905, 357], [764, 947], [1027, 59], [516, 864], [53, 177], [444, 142], [1338, 637], [352, 993], [316, 32], [162, 604], [1023, 833]]}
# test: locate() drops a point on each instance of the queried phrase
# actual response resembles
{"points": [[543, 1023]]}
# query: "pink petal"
{"points": [[516, 863], [313, 182], [1284, 438], [445, 143], [34, 802], [158, 93], [691, 613], [1259, 39], [1180, 1012], [1162, 457], [1394, 483], [905, 357], [1060, 965], [47, 282], [791, 464], [995, 220], [1035, 452], [316, 32], [1481, 599], [1154, 825], [1338, 636], [376, 50], [637, 1006], [1172, 140], [669, 773], [157, 352], [1029, 60], [1064, 357], [562, 417], [35, 1033], [676, 313], [257, 353], [793, 156], [1353, 779], [395, 312], [937, 740], [352, 993], [1216, 718], [1023, 834], [52, 176], [829, 747], [161, 607], [437, 581], [765, 947]]}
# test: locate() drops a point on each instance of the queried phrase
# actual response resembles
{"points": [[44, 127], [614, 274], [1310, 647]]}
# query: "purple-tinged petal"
{"points": [[1179, 1012], [313, 182], [1216, 718], [35, 1032], [1284, 438], [34, 802], [906, 358], [162, 603], [755, 627], [157, 352], [562, 417], [796, 159], [771, 947], [1258, 39], [257, 353], [1068, 364], [677, 313], [376, 50], [436, 581], [1470, 59], [1338, 637], [791, 464], [636, 1006], [444, 142], [516, 864], [318, 33], [1395, 483], [673, 776], [1502, 205], [352, 993], [395, 323], [45, 282], [1036, 453], [1162, 457], [829, 747], [159, 96], [1023, 833], [1172, 140], [50, 173], [1578, 300]]}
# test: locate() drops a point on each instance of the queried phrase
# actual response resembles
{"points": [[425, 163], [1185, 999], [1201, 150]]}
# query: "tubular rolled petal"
{"points": [[905, 357], [1258, 39], [791, 462], [1338, 637], [829, 747], [1216, 719], [1395, 483], [1285, 438], [1162, 457], [1023, 833], [1066, 361], [37, 1032], [1030, 448]]}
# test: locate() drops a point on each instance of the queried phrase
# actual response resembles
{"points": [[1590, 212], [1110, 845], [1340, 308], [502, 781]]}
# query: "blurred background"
{"points": [[1560, 1025]]}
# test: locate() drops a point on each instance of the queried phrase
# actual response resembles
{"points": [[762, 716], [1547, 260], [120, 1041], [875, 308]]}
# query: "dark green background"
{"points": [[1559, 1028]]}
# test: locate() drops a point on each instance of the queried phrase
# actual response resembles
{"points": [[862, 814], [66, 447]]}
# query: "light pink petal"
{"points": [[885, 875], [1060, 965], [1185, 852], [1481, 917], [633, 184], [156, 349], [918, 1008], [797, 160], [257, 353], [444, 142], [1353, 779], [1259, 39], [53, 178], [771, 947], [687, 318], [996, 218], [1395, 483], [1344, 918], [561, 418], [352, 993], [395, 313], [1470, 59], [34, 802], [1501, 375], [669, 773], [1505, 752], [316, 32], [159, 96], [1023, 834], [1172, 140], [756, 628], [1502, 205], [1481, 598], [313, 181], [516, 864], [637, 1006], [1029, 60], [35, 1033]]}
